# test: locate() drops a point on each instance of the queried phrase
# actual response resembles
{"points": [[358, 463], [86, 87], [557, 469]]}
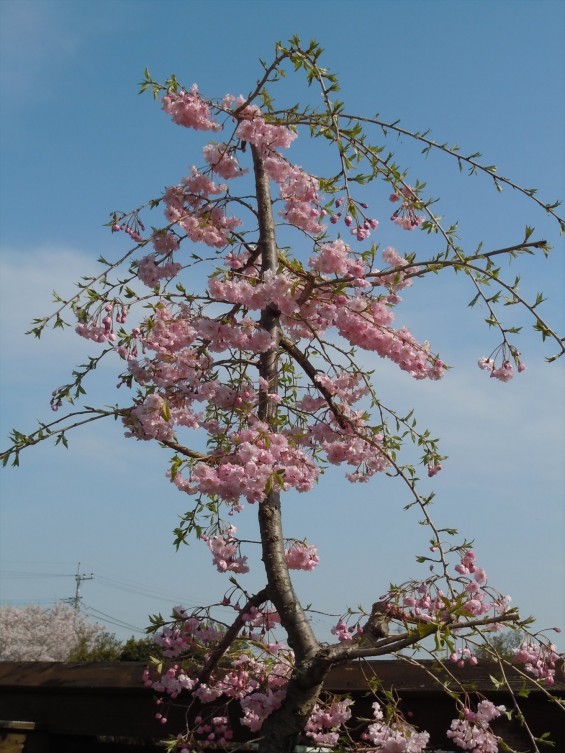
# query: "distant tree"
{"points": [[104, 647], [505, 644], [140, 649], [107, 647], [33, 633]]}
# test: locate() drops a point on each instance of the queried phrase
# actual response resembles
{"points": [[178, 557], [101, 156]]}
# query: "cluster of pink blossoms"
{"points": [[258, 683], [225, 549], [362, 229], [172, 682], [258, 456], [100, 327], [344, 632], [185, 634], [203, 219], [467, 566], [364, 325], [148, 420], [363, 321], [335, 258], [324, 722], [504, 372], [276, 289], [158, 265], [396, 280], [214, 732], [406, 217], [464, 656], [150, 270], [260, 622], [366, 456], [395, 737], [539, 660], [222, 161], [188, 109], [425, 602], [299, 190], [301, 556], [428, 603], [473, 731], [254, 129]]}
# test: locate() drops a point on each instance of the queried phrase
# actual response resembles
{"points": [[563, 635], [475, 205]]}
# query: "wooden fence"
{"points": [[49, 707]]}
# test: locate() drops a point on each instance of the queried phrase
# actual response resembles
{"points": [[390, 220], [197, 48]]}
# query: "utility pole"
{"points": [[79, 578]]}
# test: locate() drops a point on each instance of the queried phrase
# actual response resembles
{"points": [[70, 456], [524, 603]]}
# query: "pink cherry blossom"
{"points": [[188, 109], [222, 161], [225, 548], [300, 556]]}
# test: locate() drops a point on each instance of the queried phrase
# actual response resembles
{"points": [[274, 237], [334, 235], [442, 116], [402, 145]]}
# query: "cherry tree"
{"points": [[33, 633], [260, 381]]}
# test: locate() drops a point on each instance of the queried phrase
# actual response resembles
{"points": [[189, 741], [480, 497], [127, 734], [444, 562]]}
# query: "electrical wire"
{"points": [[15, 574], [92, 612], [25, 602], [143, 589], [131, 586]]}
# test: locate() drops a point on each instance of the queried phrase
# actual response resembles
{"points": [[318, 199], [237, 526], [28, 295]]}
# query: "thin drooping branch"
{"points": [[300, 635], [300, 358], [54, 429], [470, 160], [261, 83]]}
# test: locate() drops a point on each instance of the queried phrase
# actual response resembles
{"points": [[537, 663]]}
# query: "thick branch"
{"points": [[342, 652], [230, 635], [187, 452]]}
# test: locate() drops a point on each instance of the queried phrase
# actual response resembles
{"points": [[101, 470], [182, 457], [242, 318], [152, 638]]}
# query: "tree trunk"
{"points": [[281, 730]]}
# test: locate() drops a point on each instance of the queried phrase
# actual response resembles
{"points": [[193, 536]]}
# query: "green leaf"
{"points": [[165, 411]]}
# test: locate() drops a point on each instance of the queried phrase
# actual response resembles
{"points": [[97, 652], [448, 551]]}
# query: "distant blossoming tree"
{"points": [[33, 633], [260, 381]]}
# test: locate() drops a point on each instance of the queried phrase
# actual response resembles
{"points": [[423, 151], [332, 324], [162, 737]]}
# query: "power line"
{"points": [[25, 602], [16, 574], [142, 591], [122, 584], [112, 620], [125, 585], [36, 562]]}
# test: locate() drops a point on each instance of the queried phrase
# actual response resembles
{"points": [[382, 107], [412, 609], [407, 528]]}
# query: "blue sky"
{"points": [[77, 142]]}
